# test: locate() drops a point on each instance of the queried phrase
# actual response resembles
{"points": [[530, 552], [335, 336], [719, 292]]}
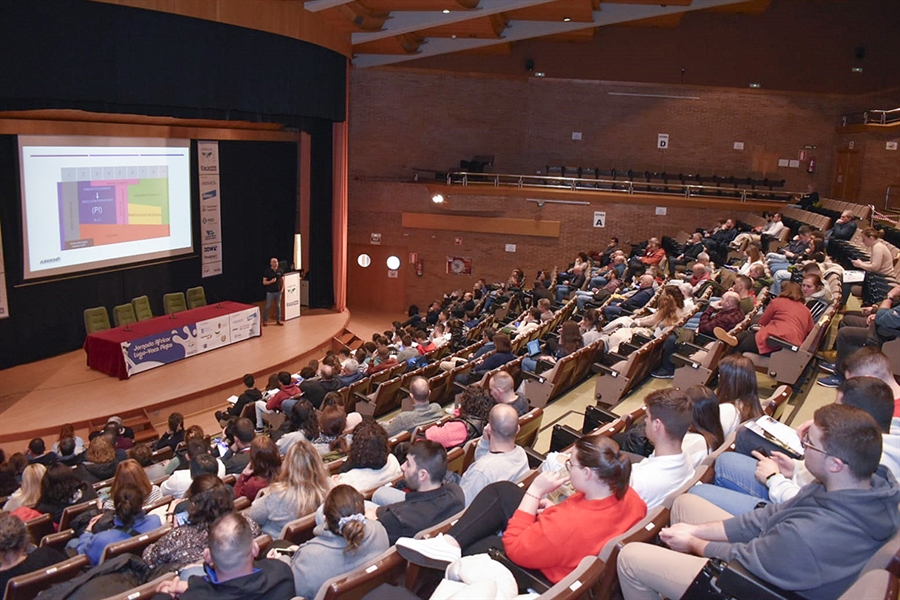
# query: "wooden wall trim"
{"points": [[445, 222]]}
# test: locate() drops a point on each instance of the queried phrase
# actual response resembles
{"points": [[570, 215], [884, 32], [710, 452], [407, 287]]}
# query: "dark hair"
{"points": [[748, 283], [307, 372], [176, 422], [677, 295], [502, 342], [345, 501], [868, 360], [852, 435], [369, 449], [871, 395], [13, 534], [141, 453], [601, 455], [871, 232], [244, 431], [67, 446], [332, 422], [8, 482], [284, 378], [272, 382], [705, 411], [59, 485], [737, 384], [196, 447], [264, 457], [791, 290], [18, 462], [128, 501], [673, 408], [209, 499], [194, 432], [249, 381], [203, 463], [37, 446], [476, 402], [430, 456], [570, 338], [305, 419]]}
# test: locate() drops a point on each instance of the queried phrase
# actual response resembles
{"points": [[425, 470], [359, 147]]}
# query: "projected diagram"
{"points": [[111, 205]]}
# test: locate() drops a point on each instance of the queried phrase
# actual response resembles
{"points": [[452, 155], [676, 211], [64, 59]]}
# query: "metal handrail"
{"points": [[464, 178], [872, 117]]}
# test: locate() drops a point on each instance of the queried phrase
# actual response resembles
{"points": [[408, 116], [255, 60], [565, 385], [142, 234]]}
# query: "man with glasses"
{"points": [[815, 544]]}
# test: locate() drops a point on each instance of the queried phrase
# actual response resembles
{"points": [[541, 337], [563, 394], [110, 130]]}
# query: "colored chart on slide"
{"points": [[112, 205]]}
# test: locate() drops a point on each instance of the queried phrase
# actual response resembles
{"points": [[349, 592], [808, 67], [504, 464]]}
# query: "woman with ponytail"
{"points": [[345, 541]]}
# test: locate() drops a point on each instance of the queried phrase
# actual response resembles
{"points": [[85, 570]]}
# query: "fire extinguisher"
{"points": [[811, 168], [419, 266]]}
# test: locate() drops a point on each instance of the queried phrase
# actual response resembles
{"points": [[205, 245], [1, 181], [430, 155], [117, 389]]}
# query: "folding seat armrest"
{"points": [[679, 360], [532, 375], [703, 339], [694, 347], [601, 368], [782, 343]]}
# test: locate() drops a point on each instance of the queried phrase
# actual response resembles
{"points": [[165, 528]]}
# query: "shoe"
{"points": [[726, 337], [221, 416], [433, 553], [279, 323], [830, 382], [663, 374], [828, 367], [259, 431], [265, 323]]}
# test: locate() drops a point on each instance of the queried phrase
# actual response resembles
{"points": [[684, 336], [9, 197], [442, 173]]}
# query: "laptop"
{"points": [[534, 348]]}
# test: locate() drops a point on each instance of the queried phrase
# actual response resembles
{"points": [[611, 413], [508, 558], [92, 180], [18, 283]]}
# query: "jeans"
{"points": [[737, 503], [737, 472], [563, 290], [598, 282], [272, 297], [778, 277], [582, 297]]}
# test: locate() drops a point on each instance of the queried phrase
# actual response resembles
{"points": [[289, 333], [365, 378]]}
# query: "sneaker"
{"points": [[660, 374], [828, 367], [279, 323], [726, 337], [434, 553], [830, 382]]}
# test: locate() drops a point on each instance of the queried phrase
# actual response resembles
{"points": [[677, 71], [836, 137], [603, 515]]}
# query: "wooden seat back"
{"points": [[26, 587]]}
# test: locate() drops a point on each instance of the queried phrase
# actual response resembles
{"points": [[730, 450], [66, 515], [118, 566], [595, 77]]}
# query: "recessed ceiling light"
{"points": [[856, 70], [539, 74], [453, 36], [567, 19], [755, 86], [437, 198], [446, 11]]}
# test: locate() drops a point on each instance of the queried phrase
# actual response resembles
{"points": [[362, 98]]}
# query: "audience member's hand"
{"points": [[765, 467], [486, 432], [679, 537], [248, 470], [803, 428], [867, 310], [547, 481], [785, 463], [90, 526], [172, 587]]}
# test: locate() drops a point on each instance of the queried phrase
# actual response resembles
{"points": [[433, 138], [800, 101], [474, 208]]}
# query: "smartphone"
{"points": [[181, 518], [222, 445], [762, 451]]}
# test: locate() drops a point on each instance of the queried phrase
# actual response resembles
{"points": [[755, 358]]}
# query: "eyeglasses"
{"points": [[808, 445]]}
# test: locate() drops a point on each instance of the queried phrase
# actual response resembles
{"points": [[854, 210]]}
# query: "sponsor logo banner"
{"points": [[291, 295], [210, 208]]}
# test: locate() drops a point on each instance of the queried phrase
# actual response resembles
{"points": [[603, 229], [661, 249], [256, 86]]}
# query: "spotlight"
{"points": [[437, 199], [566, 19], [446, 11]]}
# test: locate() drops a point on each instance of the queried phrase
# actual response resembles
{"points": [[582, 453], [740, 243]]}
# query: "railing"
{"points": [[615, 185], [872, 117]]}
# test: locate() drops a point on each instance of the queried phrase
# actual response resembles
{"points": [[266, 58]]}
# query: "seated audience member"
{"points": [[725, 314], [738, 393], [61, 488], [194, 432], [383, 359], [37, 453], [68, 431], [238, 454], [497, 457], [813, 288], [130, 472], [870, 328], [350, 373], [590, 327], [233, 573], [880, 260], [574, 283], [286, 389], [652, 256], [502, 355], [692, 250], [474, 407], [657, 324], [785, 317], [759, 278], [531, 322], [428, 501], [337, 399], [128, 521], [743, 287], [332, 442], [422, 412], [570, 340], [369, 462], [208, 499], [705, 434], [15, 558], [637, 300], [99, 461], [144, 456], [826, 549], [302, 424], [502, 391], [248, 396], [668, 418], [345, 541], [265, 461], [536, 534], [743, 481], [299, 488], [68, 455], [843, 229], [29, 493], [174, 435], [200, 461], [120, 429], [718, 242], [314, 390]]}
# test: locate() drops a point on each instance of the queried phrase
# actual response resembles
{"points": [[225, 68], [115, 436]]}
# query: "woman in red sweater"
{"points": [[786, 317], [265, 462], [538, 535]]}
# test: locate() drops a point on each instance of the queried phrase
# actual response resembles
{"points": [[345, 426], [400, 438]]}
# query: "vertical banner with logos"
{"points": [[4, 305], [210, 208], [291, 295]]}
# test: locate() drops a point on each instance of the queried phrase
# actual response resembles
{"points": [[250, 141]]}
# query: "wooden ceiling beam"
{"points": [[419, 5], [578, 11], [490, 27]]}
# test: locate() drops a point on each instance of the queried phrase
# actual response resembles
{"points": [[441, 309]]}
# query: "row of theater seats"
{"points": [[97, 318]]}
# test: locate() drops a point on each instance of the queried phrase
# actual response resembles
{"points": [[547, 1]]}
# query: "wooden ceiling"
{"points": [[392, 31]]}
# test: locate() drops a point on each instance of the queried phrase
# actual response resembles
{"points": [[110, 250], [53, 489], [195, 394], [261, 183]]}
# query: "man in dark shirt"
{"points": [[13, 543], [810, 198], [238, 456], [429, 500], [843, 229], [248, 396], [314, 390], [273, 281]]}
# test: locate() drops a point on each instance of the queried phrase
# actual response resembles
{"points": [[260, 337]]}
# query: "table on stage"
{"points": [[124, 351]]}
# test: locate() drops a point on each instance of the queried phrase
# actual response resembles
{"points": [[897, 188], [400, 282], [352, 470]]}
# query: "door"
{"points": [[846, 175], [376, 286]]}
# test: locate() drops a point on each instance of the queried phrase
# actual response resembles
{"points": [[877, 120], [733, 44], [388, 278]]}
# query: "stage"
{"points": [[37, 398]]}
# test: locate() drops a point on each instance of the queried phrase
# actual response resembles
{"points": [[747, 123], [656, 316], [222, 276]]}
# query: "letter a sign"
{"points": [[599, 219]]}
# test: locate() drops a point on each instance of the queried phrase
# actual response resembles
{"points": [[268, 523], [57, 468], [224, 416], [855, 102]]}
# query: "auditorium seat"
{"points": [[96, 319], [174, 303], [196, 297], [123, 314], [142, 309], [26, 587]]}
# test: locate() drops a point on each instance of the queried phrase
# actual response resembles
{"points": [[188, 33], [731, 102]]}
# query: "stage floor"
{"points": [[37, 398]]}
